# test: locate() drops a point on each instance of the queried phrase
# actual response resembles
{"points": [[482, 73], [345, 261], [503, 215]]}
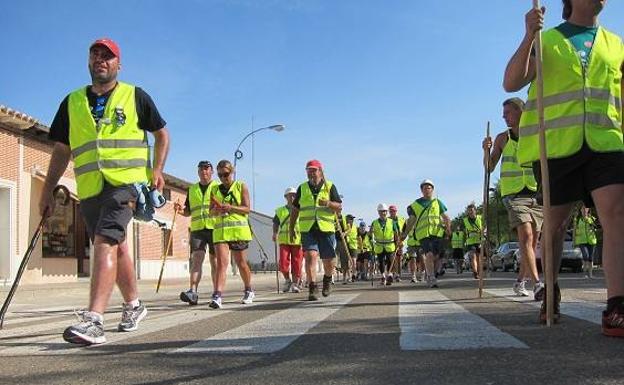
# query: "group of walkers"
{"points": [[103, 128]]}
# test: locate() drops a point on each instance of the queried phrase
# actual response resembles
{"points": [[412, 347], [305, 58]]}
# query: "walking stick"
{"points": [[164, 255], [276, 269], [60, 194], [486, 196], [343, 240], [547, 256]]}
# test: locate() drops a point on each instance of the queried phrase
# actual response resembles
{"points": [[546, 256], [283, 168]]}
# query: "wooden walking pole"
{"points": [[547, 257], [164, 255], [486, 195], [277, 268]]}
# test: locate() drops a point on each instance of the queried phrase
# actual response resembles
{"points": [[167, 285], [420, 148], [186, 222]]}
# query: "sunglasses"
{"points": [[223, 174]]}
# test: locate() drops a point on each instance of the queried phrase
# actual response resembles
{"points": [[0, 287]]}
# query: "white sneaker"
{"points": [[295, 288], [287, 286], [520, 289], [433, 283], [248, 297], [538, 291]]}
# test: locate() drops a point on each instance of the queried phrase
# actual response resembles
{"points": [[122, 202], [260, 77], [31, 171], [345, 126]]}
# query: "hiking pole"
{"points": [[343, 240], [166, 250], [486, 196], [61, 195], [277, 269], [547, 252]]}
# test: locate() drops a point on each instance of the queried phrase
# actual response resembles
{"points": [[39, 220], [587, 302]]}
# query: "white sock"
{"points": [[134, 303]]}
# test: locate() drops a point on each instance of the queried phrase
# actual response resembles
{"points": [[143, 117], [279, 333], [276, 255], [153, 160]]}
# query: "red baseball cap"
{"points": [[314, 164], [392, 208], [108, 43]]}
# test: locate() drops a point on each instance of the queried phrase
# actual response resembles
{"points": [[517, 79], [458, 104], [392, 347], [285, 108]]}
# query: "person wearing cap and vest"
{"points": [[473, 228], [197, 206], [585, 238], [290, 253], [363, 252], [428, 215], [103, 129], [583, 89], [400, 222], [457, 243], [350, 234], [518, 190], [315, 206], [230, 207], [385, 235]]}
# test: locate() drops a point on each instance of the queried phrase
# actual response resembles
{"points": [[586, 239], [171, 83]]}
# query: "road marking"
{"points": [[274, 332], [431, 321], [38, 341], [583, 310]]}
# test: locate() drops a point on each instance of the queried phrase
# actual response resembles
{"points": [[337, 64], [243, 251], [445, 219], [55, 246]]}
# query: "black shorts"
{"points": [[237, 245], [109, 213], [200, 239], [474, 248], [575, 177], [431, 245], [458, 253], [365, 256]]}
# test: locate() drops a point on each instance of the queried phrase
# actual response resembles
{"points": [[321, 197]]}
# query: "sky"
{"points": [[383, 93]]}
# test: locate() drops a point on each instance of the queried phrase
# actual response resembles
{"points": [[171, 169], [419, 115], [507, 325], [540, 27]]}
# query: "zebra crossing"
{"points": [[427, 320]]}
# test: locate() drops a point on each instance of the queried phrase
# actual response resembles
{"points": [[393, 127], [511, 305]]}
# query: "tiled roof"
{"points": [[15, 118]]}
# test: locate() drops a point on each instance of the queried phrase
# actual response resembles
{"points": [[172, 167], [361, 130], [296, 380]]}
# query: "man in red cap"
{"points": [[315, 205], [103, 127]]}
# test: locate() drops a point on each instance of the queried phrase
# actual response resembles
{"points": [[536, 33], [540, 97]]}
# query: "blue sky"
{"points": [[384, 93]]}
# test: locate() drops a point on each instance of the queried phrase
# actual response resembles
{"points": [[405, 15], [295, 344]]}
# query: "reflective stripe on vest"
{"points": [[115, 150], [514, 178], [283, 238], [580, 104], [310, 211], [383, 236], [233, 226], [473, 230], [200, 206], [457, 240], [429, 223]]}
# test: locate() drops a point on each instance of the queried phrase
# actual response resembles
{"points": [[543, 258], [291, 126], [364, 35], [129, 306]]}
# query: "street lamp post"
{"points": [[238, 154]]}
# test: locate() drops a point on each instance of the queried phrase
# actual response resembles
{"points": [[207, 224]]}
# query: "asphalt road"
{"points": [[400, 334]]}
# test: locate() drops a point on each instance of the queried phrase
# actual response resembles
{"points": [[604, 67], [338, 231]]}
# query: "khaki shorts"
{"points": [[523, 210]]}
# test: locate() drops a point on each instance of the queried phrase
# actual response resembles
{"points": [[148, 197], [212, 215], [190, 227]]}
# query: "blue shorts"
{"points": [[323, 243], [431, 245]]}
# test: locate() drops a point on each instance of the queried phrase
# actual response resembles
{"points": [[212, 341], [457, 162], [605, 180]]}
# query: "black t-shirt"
{"points": [[149, 117]]}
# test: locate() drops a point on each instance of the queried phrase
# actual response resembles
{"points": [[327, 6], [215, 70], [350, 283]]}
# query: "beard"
{"points": [[102, 77]]}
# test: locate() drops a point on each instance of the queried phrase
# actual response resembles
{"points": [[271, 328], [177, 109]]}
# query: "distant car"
{"points": [[504, 258], [572, 257]]}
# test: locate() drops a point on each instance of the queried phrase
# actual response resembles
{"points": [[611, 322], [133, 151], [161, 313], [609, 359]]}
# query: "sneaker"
{"points": [[383, 281], [557, 312], [538, 291], [90, 330], [287, 286], [475, 275], [295, 288], [131, 316], [326, 286], [248, 297], [313, 292], [189, 297], [613, 322], [389, 280], [413, 280], [419, 276], [520, 289], [433, 283], [216, 302]]}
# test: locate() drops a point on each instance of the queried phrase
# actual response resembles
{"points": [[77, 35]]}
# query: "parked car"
{"points": [[571, 259], [505, 258]]}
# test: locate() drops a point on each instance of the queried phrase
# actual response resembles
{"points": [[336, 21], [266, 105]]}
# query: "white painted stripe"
{"points": [[272, 333], [583, 310], [430, 321], [43, 344]]}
